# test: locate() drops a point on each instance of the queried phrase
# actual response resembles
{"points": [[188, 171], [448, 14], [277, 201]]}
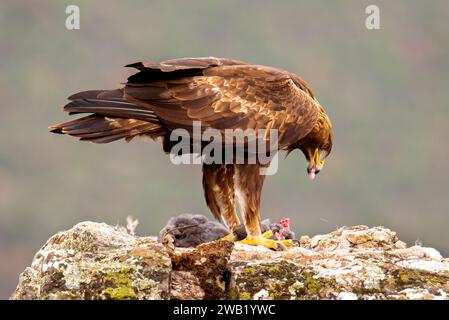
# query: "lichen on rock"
{"points": [[349, 263], [97, 261]]}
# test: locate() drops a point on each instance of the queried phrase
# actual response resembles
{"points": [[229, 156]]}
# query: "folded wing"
{"points": [[221, 93]]}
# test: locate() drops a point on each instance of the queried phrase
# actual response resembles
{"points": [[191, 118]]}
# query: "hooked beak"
{"points": [[315, 165], [312, 172]]}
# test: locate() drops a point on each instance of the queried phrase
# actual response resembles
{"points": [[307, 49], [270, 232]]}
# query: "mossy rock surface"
{"points": [[97, 261]]}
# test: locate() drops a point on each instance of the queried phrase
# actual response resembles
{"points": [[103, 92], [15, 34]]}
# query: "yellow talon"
{"points": [[267, 234], [263, 240], [228, 237], [277, 245], [287, 243]]}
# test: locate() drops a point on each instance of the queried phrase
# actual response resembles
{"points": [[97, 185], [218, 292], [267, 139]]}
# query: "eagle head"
{"points": [[317, 145]]}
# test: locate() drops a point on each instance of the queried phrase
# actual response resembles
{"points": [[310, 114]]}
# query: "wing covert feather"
{"points": [[225, 94]]}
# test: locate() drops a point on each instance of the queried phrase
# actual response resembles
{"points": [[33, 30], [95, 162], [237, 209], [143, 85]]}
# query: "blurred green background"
{"points": [[385, 90]]}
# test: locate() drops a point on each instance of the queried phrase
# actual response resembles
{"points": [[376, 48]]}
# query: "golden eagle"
{"points": [[222, 94]]}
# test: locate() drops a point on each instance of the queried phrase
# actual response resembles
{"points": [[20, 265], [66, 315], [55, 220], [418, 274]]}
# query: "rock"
{"points": [[349, 263], [353, 237], [209, 263], [97, 261], [185, 286]]}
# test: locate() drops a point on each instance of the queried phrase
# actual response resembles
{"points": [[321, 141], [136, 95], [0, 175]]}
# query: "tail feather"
{"points": [[100, 129], [112, 118], [110, 108], [116, 94]]}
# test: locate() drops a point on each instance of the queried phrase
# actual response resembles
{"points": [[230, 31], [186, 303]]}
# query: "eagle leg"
{"points": [[248, 183], [228, 237], [218, 185]]}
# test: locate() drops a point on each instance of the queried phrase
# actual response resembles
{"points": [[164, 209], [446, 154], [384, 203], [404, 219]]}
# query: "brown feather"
{"points": [[244, 90], [222, 94]]}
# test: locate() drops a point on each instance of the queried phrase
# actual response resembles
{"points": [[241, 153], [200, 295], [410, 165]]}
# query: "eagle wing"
{"points": [[224, 94]]}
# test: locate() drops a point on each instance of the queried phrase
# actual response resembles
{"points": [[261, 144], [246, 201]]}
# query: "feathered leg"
{"points": [[248, 183], [218, 184]]}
